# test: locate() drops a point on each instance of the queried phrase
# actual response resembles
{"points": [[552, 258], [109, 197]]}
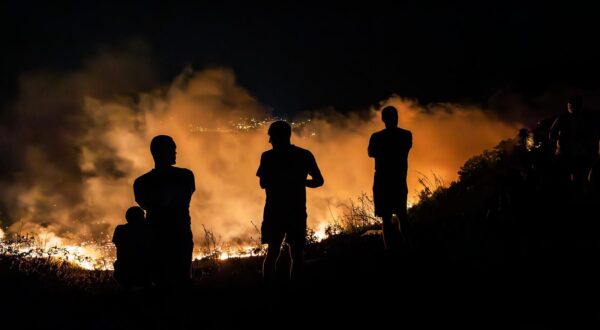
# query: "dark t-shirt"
{"points": [[165, 194], [390, 149], [285, 172]]}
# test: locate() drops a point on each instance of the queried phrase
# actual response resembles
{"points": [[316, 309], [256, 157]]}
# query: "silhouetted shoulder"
{"points": [[184, 172], [118, 234], [172, 171], [187, 175], [142, 178], [377, 134], [301, 151], [143, 181], [402, 132], [265, 159], [374, 149], [266, 154], [305, 156], [407, 134], [385, 133]]}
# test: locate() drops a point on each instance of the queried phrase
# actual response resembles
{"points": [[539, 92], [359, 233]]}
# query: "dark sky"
{"points": [[303, 55]]}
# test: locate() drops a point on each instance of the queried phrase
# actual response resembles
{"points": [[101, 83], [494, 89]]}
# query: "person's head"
{"points": [[280, 134], [575, 103], [389, 115], [163, 151], [135, 215]]}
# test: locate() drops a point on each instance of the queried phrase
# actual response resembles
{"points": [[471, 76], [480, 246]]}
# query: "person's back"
{"points": [[390, 148], [166, 194], [131, 242], [286, 169]]}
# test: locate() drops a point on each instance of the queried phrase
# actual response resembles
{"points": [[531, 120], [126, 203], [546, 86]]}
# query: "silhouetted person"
{"points": [[390, 148], [283, 173], [165, 193], [131, 241], [576, 144]]}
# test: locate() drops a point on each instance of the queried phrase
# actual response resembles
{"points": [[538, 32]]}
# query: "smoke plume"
{"points": [[73, 144]]}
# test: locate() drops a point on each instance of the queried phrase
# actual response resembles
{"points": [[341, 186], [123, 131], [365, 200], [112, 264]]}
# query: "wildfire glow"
{"points": [[320, 231], [90, 256], [74, 176]]}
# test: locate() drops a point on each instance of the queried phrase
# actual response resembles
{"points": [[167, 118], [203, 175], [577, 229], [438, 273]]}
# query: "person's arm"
{"points": [[192, 183], [116, 239], [264, 182], [555, 129], [140, 194], [316, 179], [372, 150]]}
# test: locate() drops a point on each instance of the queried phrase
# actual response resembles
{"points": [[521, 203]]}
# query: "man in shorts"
{"points": [[283, 173]]}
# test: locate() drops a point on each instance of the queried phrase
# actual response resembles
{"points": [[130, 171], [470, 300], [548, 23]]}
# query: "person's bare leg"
{"points": [[270, 263], [297, 257]]}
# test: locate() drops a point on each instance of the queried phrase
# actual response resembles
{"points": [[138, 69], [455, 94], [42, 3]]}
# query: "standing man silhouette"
{"points": [[283, 173], [165, 193], [576, 145], [390, 148]]}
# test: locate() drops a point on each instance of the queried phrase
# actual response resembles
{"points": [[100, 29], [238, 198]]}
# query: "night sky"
{"points": [[302, 56]]}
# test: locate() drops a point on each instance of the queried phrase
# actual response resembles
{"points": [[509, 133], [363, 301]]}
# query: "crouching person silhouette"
{"points": [[131, 241], [283, 173]]}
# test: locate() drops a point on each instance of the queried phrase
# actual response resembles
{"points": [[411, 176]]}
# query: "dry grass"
{"points": [[23, 255]]}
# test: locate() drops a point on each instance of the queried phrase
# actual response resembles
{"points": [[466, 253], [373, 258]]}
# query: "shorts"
{"points": [[293, 228]]}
